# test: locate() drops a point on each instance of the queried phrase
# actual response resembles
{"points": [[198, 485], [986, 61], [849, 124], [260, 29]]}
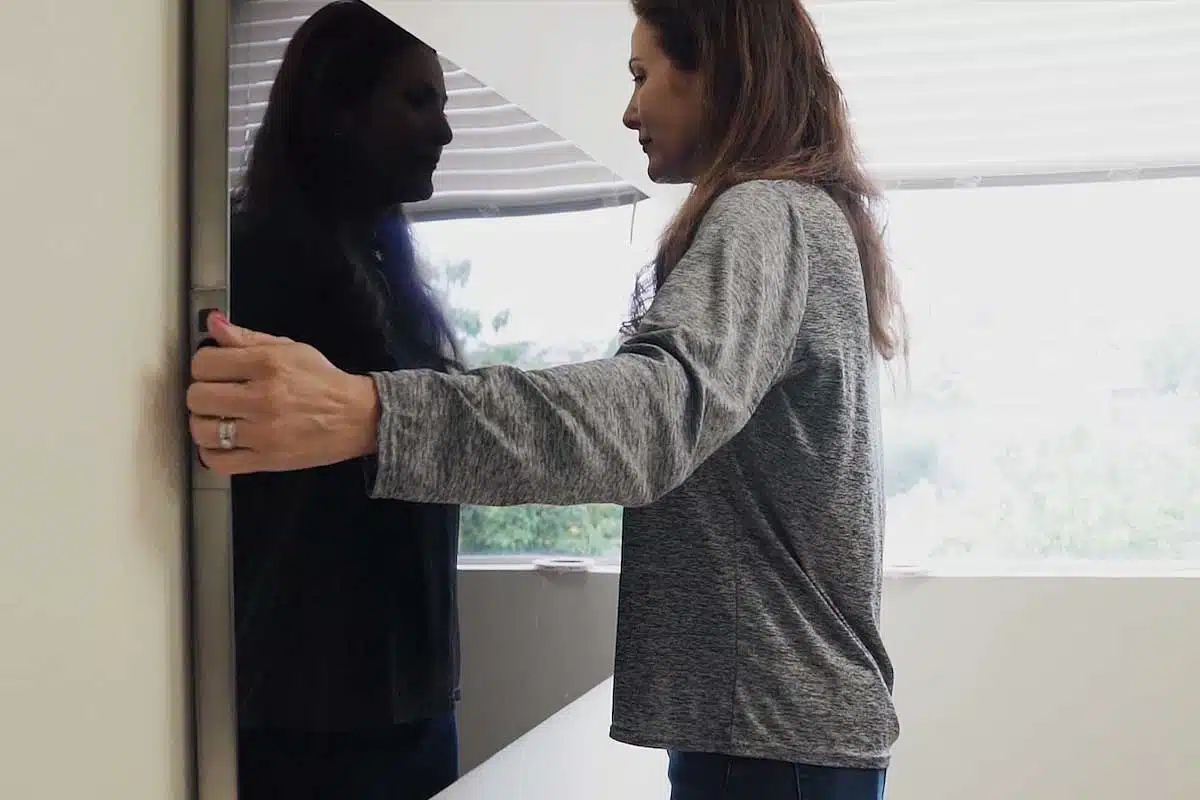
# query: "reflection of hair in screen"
{"points": [[345, 611]]}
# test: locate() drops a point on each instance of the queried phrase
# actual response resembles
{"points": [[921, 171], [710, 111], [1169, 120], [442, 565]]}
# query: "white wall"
{"points": [[93, 688], [1046, 687], [1040, 688]]}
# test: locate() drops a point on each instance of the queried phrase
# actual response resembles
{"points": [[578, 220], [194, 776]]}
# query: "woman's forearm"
{"points": [[620, 430]]}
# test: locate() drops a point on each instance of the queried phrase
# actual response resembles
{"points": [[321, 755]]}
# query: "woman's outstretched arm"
{"points": [[626, 429]]}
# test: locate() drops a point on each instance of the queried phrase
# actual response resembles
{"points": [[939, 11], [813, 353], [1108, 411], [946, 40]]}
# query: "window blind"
{"points": [[952, 93], [502, 161]]}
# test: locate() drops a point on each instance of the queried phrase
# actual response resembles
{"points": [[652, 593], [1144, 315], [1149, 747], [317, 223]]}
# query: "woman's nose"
{"points": [[630, 117], [444, 132]]}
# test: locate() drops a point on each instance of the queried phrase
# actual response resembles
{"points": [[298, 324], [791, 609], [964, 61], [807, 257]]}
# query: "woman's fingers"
{"points": [[229, 335], [225, 399], [233, 462], [231, 364]]}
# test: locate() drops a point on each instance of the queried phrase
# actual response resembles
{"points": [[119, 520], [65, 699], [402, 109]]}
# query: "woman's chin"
{"points": [[417, 191], [664, 172], [655, 173], [664, 177]]}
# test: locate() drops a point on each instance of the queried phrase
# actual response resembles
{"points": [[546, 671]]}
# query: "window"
{"points": [[535, 291], [1051, 408], [1054, 406]]}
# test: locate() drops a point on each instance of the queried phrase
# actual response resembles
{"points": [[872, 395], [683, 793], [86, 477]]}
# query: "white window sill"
{"points": [[939, 569]]}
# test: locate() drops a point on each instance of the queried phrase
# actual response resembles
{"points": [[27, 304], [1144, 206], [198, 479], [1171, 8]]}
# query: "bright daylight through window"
{"points": [[1052, 405], [1043, 165]]}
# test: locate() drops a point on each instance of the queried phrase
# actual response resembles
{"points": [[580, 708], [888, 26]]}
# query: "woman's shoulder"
{"points": [[789, 214], [781, 199]]}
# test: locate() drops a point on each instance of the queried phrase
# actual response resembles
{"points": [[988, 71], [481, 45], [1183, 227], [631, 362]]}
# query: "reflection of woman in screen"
{"points": [[347, 640]]}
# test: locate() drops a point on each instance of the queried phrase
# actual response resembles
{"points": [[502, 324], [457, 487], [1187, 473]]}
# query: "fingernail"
{"points": [[218, 317]]}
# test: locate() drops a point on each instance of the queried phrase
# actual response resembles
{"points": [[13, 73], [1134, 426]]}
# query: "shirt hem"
{"points": [[795, 754]]}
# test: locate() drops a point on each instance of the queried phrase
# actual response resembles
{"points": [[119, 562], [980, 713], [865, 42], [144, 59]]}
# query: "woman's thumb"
{"points": [[227, 334]]}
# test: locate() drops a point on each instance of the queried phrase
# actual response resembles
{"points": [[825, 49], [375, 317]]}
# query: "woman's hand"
{"points": [[262, 403]]}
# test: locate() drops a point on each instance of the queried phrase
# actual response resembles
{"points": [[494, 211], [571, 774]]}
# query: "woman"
{"points": [[346, 626], [738, 424]]}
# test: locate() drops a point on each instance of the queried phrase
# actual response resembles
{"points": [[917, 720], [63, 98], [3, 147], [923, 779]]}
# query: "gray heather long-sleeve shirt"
{"points": [[739, 426]]}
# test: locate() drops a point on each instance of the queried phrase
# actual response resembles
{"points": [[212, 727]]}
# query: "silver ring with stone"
{"points": [[227, 434]]}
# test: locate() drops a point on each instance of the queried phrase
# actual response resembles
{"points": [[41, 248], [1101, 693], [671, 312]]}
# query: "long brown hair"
{"points": [[773, 111]]}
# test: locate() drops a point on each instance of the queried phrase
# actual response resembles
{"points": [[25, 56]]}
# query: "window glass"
{"points": [[1051, 406]]}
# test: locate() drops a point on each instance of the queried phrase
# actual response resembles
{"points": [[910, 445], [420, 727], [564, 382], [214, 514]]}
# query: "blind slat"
{"points": [[502, 161], [986, 90]]}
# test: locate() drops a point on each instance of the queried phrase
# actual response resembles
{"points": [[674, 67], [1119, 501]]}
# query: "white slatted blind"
{"points": [[501, 162], [994, 92]]}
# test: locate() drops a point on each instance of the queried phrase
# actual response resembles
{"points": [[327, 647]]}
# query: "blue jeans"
{"points": [[413, 761], [707, 776]]}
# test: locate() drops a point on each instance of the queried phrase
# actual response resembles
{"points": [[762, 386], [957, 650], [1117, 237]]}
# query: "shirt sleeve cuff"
{"points": [[390, 470]]}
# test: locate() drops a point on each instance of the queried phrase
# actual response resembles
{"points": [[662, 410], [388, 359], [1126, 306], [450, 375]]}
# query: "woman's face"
{"points": [[403, 128], [666, 110]]}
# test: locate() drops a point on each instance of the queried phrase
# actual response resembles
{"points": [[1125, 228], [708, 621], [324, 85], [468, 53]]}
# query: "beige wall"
{"points": [[93, 689]]}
